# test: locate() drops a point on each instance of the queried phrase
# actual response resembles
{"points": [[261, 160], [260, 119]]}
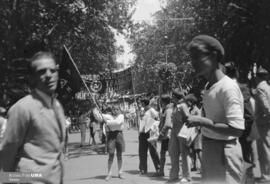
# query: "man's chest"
{"points": [[46, 125]]}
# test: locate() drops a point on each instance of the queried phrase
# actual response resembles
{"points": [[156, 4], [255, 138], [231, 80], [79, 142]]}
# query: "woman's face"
{"points": [[203, 63]]}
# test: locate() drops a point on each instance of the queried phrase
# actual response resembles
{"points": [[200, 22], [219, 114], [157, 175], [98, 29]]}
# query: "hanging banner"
{"points": [[96, 83], [107, 83], [122, 81]]}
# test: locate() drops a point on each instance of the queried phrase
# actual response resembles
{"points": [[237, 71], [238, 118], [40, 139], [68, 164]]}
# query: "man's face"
{"points": [[189, 103], [45, 74], [175, 100], [202, 63], [163, 105], [143, 105]]}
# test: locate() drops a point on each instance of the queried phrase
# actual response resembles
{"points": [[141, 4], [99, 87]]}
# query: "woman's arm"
{"points": [[222, 128]]}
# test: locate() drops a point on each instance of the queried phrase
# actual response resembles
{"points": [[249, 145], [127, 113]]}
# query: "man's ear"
{"points": [[57, 66], [214, 59]]}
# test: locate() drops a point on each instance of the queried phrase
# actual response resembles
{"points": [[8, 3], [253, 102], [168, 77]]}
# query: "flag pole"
{"points": [[135, 100], [88, 90]]}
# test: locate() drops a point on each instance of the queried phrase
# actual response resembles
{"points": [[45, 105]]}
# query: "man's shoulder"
{"points": [[169, 108], [120, 116], [25, 102], [181, 105], [23, 106], [152, 110], [263, 86]]}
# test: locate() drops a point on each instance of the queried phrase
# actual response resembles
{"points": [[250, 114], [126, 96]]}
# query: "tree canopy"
{"points": [[243, 27], [84, 26]]}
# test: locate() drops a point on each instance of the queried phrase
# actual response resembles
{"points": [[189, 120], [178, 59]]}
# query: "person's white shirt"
{"points": [[3, 126], [223, 103], [68, 122], [148, 119], [115, 123]]}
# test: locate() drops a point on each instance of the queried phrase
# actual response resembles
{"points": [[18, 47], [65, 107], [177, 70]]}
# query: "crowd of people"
{"points": [[226, 126]]}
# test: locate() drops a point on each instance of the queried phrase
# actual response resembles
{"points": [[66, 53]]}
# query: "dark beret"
{"points": [[145, 101], [209, 42], [261, 70]]}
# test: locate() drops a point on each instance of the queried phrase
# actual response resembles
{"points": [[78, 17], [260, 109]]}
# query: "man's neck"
{"points": [[46, 93], [47, 99], [147, 107]]}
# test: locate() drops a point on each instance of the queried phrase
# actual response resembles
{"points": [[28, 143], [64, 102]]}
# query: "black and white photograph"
{"points": [[135, 91]]}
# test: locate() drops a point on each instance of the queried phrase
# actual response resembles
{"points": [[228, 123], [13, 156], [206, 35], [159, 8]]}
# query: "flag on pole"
{"points": [[70, 80]]}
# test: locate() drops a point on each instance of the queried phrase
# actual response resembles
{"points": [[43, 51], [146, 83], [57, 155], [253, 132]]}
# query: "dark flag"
{"points": [[70, 80]]}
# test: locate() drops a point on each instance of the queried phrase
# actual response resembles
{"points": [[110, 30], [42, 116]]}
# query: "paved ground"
{"points": [[89, 165]]}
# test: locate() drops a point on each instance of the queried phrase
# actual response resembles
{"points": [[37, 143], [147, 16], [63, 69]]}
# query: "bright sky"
{"points": [[144, 10]]}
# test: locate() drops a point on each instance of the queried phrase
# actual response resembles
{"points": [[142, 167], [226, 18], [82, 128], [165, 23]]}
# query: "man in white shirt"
{"points": [[262, 99], [146, 123], [223, 106]]}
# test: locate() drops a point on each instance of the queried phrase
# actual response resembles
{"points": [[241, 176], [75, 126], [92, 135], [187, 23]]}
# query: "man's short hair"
{"points": [[262, 73], [145, 101], [178, 93], [231, 70], [38, 55], [116, 107], [166, 98], [192, 98], [207, 44], [108, 110]]}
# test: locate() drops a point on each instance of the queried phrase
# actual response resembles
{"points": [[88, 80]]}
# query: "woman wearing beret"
{"points": [[223, 105]]}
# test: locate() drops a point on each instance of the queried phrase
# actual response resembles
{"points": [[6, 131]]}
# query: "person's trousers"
{"points": [[177, 147], [144, 145], [263, 145], [222, 161], [83, 132], [246, 149], [163, 150]]}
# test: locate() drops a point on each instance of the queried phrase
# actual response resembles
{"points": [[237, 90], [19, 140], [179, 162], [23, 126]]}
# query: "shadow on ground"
{"points": [[149, 175], [133, 172], [75, 151], [100, 177], [130, 155]]}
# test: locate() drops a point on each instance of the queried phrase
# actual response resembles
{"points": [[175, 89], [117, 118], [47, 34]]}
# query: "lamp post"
{"points": [[167, 46]]}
